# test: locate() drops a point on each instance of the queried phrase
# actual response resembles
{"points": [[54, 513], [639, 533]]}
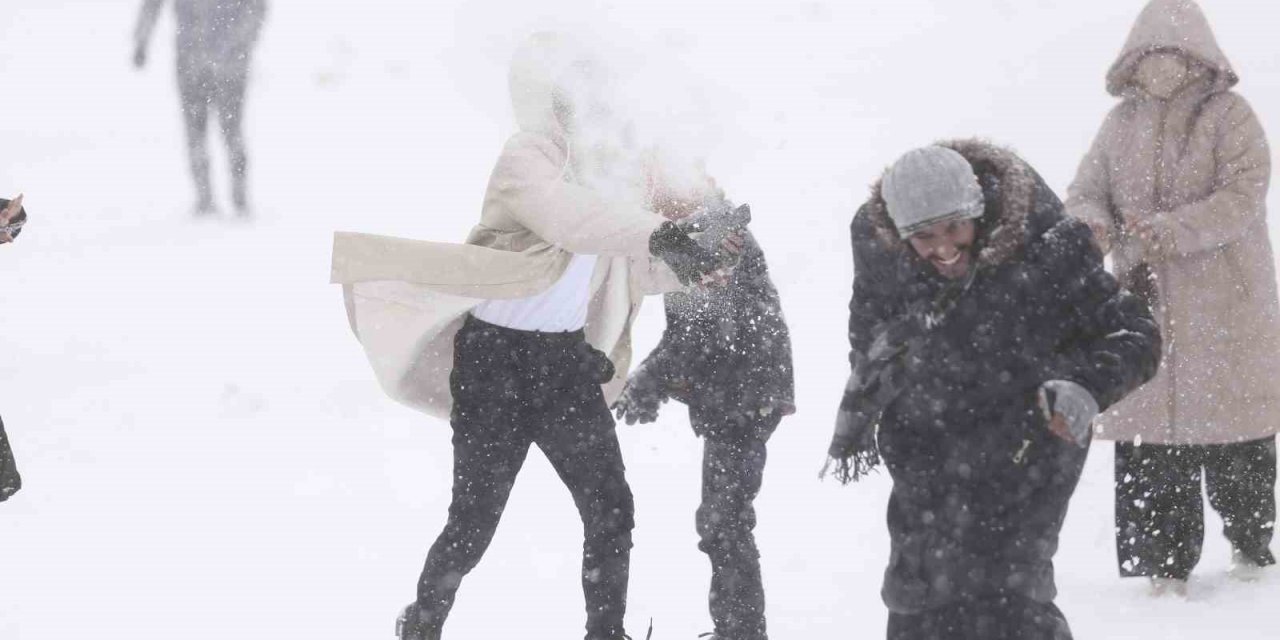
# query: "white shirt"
{"points": [[561, 308]]}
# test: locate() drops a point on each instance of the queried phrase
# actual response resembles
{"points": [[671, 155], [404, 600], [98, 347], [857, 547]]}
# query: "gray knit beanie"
{"points": [[930, 185]]}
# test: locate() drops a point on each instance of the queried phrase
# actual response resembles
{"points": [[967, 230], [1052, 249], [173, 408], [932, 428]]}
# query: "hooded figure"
{"points": [[1174, 187], [507, 335], [215, 42], [985, 336]]}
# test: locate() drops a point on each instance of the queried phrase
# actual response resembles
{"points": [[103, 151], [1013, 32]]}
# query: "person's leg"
{"points": [[1241, 481], [491, 428], [583, 448], [230, 102], [196, 91], [1000, 617], [732, 472], [1159, 510]]}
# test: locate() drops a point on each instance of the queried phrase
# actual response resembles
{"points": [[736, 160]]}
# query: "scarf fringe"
{"points": [[852, 468]]}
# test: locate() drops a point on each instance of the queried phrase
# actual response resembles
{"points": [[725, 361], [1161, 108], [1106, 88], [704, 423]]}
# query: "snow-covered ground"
{"points": [[205, 450]]}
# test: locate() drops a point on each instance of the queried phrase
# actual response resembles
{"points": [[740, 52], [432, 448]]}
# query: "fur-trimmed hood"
{"points": [[1009, 185]]}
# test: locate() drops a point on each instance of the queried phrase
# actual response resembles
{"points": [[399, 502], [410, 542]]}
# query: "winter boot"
{"points": [[240, 197], [204, 207], [416, 624], [1243, 568], [1176, 587]]}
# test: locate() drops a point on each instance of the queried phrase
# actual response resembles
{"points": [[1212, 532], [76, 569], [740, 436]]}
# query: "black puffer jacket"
{"points": [[10, 481], [726, 350], [980, 484]]}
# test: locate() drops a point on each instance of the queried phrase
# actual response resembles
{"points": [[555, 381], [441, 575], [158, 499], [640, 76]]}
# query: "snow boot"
{"points": [[416, 624], [1176, 587], [1243, 568], [240, 198]]}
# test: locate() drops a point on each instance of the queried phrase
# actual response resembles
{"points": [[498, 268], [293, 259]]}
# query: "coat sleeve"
{"points": [[872, 302], [1116, 346], [1238, 202], [1089, 196], [651, 276], [531, 185], [147, 17]]}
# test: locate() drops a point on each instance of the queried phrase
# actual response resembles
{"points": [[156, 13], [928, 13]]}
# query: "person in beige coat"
{"points": [[1174, 188], [521, 335]]}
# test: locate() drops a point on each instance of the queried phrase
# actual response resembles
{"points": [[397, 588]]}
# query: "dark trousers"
{"points": [[204, 90], [10, 481], [733, 459], [998, 617], [513, 389], [1160, 512]]}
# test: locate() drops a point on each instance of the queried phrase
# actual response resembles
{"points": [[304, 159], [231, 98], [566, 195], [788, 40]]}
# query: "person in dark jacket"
{"points": [[12, 217], [10, 481], [986, 335], [726, 355], [215, 43]]}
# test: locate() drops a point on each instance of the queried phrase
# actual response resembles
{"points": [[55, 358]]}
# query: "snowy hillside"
{"points": [[206, 453]]}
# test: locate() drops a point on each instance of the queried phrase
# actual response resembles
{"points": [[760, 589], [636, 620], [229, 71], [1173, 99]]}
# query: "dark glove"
{"points": [[689, 260], [640, 399], [593, 364]]}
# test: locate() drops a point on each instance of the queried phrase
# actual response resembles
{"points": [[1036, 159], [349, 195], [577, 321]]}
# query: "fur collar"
{"points": [[1008, 207]]}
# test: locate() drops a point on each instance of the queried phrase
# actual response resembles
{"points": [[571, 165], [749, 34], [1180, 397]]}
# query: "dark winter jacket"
{"points": [[10, 481], [726, 350], [980, 484], [214, 36]]}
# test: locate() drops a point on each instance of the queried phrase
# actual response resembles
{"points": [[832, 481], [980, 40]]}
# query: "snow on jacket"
{"points": [[406, 299], [980, 484], [727, 350], [214, 36], [1197, 167]]}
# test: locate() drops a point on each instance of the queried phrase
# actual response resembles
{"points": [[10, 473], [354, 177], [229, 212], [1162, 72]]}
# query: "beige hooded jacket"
{"points": [[1195, 168], [406, 299]]}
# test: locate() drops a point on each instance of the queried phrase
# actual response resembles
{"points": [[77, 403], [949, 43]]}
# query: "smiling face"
{"points": [[948, 246]]}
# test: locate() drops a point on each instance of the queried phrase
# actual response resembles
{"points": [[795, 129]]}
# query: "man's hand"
{"points": [[1070, 410], [7, 216], [640, 399], [691, 263]]}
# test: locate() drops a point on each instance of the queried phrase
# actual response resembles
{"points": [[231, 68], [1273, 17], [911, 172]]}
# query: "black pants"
{"points": [[998, 617], [733, 459], [10, 481], [1160, 512], [204, 90], [513, 389]]}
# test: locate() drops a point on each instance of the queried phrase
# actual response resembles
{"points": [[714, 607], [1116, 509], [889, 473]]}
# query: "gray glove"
{"points": [[640, 399], [1074, 403]]}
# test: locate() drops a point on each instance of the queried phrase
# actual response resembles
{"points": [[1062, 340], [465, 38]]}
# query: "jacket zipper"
{"points": [[1160, 271]]}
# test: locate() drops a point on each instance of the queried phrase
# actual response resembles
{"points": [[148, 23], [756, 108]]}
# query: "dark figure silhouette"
{"points": [[215, 41]]}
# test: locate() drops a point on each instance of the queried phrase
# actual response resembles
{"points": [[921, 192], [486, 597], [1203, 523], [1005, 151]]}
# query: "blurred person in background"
{"points": [[12, 217], [215, 43], [1175, 189]]}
